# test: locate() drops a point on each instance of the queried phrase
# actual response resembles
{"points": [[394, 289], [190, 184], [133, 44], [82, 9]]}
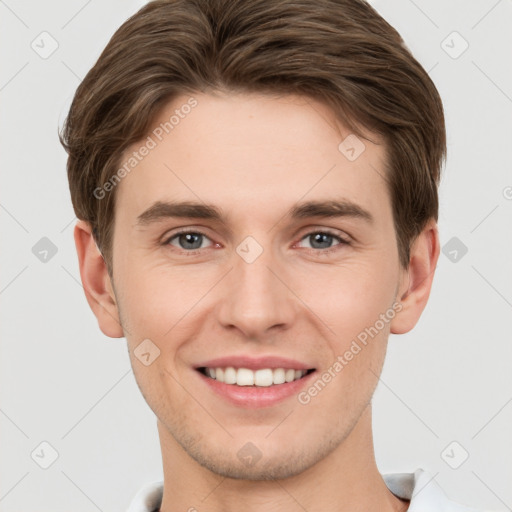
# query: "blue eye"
{"points": [[191, 242], [319, 238], [188, 240]]}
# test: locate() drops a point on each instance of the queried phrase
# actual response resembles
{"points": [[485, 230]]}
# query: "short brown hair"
{"points": [[340, 52]]}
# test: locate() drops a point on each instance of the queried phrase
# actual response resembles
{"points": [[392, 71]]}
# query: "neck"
{"points": [[346, 480]]}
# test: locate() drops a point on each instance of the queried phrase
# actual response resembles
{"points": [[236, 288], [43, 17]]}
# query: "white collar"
{"points": [[418, 487]]}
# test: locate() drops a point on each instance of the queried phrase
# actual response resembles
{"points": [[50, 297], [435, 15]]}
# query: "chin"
{"points": [[276, 467], [261, 460]]}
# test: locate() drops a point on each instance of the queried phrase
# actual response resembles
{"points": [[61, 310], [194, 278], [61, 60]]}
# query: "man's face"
{"points": [[257, 283]]}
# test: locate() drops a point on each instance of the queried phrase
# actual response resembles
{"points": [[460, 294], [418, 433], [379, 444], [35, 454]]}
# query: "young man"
{"points": [[256, 183]]}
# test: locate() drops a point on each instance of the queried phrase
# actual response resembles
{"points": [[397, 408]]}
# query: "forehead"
{"points": [[250, 151]]}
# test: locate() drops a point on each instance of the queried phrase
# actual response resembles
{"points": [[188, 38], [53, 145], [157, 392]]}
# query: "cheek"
{"points": [[155, 299], [357, 307], [349, 298], [160, 388]]}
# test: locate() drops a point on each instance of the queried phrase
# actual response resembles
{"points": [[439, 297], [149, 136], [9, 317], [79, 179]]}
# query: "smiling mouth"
{"points": [[264, 377]]}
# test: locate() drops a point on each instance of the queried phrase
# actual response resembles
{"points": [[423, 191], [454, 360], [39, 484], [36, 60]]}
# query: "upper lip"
{"points": [[254, 363]]}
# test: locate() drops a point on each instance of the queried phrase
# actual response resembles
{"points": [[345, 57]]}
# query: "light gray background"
{"points": [[63, 382]]}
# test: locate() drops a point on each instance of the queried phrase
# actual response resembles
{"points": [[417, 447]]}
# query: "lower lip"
{"points": [[255, 397]]}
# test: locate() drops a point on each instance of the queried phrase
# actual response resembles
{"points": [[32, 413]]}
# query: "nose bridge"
{"points": [[256, 297]]}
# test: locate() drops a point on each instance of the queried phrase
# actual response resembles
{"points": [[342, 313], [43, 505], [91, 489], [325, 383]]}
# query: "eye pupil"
{"points": [[189, 238], [321, 238]]}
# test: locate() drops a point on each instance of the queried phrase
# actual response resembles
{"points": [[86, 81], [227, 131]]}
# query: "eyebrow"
{"points": [[193, 210]]}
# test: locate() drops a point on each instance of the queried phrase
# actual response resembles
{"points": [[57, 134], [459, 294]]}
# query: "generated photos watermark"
{"points": [[151, 142], [305, 397]]}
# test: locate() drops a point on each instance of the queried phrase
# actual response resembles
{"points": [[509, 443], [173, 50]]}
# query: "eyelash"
{"points": [[342, 241]]}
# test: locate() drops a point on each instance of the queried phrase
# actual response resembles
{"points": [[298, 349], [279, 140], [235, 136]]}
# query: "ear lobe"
{"points": [[96, 281], [417, 280]]}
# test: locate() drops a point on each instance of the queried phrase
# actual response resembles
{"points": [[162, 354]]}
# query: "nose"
{"points": [[257, 297]]}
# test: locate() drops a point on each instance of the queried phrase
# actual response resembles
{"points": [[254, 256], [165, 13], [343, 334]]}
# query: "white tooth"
{"points": [[245, 377], [289, 375], [263, 377], [219, 374], [279, 377], [230, 375]]}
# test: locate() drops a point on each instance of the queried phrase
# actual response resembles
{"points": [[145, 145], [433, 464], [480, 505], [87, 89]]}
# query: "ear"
{"points": [[96, 281], [416, 281]]}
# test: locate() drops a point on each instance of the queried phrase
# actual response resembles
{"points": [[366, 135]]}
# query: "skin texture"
{"points": [[255, 156]]}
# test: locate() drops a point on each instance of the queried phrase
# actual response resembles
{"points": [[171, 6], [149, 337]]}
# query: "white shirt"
{"points": [[424, 494]]}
